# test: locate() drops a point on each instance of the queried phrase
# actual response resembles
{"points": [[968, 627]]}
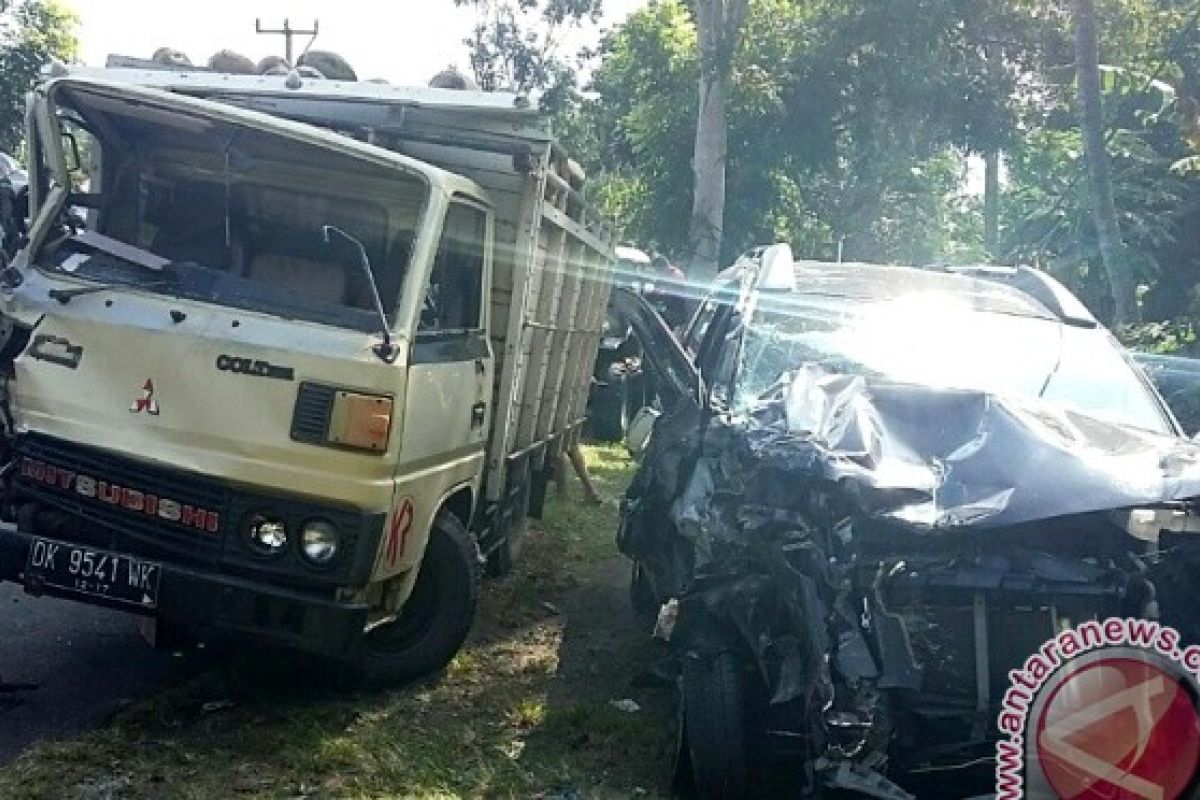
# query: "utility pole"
{"points": [[287, 31]]}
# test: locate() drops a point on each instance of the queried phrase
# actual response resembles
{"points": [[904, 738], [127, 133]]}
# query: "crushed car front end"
{"points": [[879, 555]]}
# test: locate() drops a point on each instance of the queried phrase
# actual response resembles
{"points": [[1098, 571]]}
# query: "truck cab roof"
{"points": [[107, 88]]}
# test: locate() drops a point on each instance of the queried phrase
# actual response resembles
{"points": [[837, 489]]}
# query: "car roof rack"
{"points": [[1043, 288]]}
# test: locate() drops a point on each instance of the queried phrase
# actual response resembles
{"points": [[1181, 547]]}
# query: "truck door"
{"points": [[450, 378]]}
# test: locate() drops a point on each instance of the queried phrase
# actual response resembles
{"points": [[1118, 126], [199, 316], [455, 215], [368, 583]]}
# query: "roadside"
{"points": [[524, 710], [87, 662]]}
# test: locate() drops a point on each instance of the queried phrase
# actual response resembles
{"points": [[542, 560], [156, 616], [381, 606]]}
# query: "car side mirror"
{"points": [[637, 434]]}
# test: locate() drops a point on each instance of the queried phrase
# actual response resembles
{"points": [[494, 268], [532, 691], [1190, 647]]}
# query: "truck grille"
{"points": [[163, 509]]}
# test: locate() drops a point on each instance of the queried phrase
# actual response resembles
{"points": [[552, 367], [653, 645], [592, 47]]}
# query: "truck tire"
{"points": [[609, 414], [714, 715], [437, 616]]}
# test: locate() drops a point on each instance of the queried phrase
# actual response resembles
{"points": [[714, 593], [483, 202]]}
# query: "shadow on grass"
{"points": [[587, 720]]}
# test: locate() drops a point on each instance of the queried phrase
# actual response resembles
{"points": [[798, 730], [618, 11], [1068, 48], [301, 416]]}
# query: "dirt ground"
{"points": [[536, 705]]}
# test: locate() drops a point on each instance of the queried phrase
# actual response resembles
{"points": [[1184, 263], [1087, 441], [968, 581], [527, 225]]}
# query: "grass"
{"points": [[523, 711]]}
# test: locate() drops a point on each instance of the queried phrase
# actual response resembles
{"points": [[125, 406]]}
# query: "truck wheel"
{"points": [[714, 726], [437, 617], [609, 416]]}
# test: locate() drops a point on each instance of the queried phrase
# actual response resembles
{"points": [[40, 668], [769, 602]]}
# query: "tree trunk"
{"points": [[708, 168], [719, 24], [991, 202], [1104, 212]]}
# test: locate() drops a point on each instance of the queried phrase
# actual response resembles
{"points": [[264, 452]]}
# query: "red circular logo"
{"points": [[1119, 728]]}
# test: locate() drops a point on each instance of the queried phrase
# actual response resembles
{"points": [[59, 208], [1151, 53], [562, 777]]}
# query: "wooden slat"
{"points": [[541, 339], [553, 313], [568, 315], [513, 354]]}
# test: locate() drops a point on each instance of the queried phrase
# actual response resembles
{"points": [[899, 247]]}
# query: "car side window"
{"points": [[453, 298]]}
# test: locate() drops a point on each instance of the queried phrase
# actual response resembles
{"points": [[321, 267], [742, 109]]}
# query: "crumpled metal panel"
{"points": [[835, 532], [941, 458]]}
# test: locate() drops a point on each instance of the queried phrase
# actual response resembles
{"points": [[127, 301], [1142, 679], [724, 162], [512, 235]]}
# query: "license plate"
{"points": [[82, 570]]}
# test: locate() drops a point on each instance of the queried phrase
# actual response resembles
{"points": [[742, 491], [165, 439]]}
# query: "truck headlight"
{"points": [[319, 541], [266, 532]]}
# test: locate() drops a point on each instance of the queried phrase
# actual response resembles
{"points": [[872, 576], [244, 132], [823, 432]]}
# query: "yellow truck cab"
{"points": [[291, 358]]}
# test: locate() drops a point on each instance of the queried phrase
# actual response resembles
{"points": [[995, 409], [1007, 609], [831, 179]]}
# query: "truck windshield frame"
{"points": [[235, 211]]}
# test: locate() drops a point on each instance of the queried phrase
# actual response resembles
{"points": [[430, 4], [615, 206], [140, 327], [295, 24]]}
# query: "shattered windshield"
{"points": [[937, 339], [178, 203]]}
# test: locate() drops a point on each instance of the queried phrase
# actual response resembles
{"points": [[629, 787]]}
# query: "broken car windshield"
{"points": [[939, 340], [238, 211]]}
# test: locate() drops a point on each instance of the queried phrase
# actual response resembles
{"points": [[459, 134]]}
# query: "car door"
{"points": [[675, 376]]}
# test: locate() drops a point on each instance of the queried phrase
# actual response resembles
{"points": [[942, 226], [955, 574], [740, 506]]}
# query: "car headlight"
{"points": [[319, 541], [266, 532]]}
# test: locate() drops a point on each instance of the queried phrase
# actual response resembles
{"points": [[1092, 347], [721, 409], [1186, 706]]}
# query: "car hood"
{"points": [[944, 458]]}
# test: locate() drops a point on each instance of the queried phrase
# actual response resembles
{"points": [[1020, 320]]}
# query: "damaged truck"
{"points": [[867, 493], [290, 358]]}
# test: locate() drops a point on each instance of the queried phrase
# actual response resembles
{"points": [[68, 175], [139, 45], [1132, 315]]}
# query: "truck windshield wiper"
{"points": [[385, 349], [126, 253], [118, 249], [65, 296]]}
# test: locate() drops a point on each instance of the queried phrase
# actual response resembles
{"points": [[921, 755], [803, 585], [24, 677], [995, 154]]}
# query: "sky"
{"points": [[403, 41]]}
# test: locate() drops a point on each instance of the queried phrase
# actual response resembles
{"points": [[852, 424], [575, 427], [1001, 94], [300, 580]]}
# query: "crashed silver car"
{"points": [[867, 494]]}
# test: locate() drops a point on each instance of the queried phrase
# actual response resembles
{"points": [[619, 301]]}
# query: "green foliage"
{"points": [[514, 45], [1163, 338], [847, 123], [32, 32], [1046, 206], [850, 125], [644, 117], [1046, 209]]}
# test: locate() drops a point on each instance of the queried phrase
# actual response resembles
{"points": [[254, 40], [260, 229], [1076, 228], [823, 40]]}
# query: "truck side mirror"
{"points": [[637, 435], [71, 152]]}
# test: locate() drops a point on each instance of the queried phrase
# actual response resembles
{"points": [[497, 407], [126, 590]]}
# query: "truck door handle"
{"points": [[478, 413]]}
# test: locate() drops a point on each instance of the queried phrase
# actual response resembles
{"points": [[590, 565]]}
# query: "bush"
{"points": [[1171, 337]]}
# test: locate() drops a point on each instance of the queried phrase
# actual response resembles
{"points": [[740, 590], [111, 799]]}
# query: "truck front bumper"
{"points": [[220, 603]]}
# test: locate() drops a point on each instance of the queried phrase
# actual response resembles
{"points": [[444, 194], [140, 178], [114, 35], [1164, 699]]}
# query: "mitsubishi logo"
{"points": [[146, 401]]}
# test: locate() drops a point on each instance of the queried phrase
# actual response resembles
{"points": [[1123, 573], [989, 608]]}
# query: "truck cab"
{"points": [[254, 379]]}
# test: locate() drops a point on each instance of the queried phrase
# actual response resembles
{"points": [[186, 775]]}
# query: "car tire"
{"points": [[714, 723], [610, 409], [436, 618]]}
